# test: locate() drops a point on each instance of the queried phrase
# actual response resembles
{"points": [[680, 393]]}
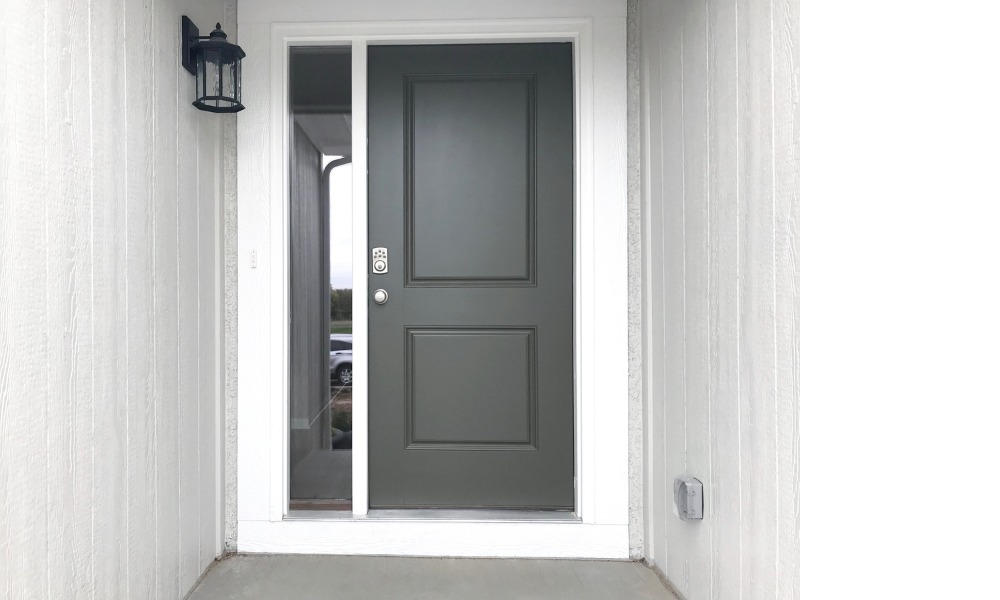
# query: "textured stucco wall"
{"points": [[230, 240], [635, 414]]}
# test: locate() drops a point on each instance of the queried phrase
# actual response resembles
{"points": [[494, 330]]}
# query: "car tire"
{"points": [[345, 375]]}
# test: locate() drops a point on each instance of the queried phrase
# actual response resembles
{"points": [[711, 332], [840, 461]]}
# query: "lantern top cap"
{"points": [[217, 41]]}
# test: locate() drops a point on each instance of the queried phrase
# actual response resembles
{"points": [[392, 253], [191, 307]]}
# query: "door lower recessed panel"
{"points": [[470, 389]]}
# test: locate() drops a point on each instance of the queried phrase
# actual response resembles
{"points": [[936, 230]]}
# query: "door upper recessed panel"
{"points": [[470, 180]]}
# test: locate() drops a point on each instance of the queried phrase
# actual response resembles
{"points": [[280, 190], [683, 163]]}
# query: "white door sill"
{"points": [[439, 514]]}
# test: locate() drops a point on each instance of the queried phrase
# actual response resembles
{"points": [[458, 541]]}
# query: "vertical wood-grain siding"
{"points": [[111, 572], [109, 290], [719, 121], [23, 315]]}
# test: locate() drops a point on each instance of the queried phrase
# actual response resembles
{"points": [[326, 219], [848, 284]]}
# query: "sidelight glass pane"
{"points": [[320, 295]]}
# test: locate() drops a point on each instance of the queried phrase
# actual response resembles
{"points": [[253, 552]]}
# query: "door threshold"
{"points": [[478, 515]]}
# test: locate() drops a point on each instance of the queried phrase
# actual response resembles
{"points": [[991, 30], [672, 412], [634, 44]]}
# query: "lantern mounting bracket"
{"points": [[189, 37]]}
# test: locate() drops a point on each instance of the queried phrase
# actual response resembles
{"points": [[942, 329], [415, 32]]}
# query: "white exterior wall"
{"points": [[110, 299], [719, 176]]}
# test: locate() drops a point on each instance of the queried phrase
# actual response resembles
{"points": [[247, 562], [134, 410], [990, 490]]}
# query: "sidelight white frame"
{"points": [[600, 256]]}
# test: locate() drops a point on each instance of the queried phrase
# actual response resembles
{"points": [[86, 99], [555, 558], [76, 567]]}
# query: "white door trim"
{"points": [[601, 276]]}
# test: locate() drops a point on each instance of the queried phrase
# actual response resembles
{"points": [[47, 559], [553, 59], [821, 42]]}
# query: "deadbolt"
{"points": [[380, 296], [380, 261]]}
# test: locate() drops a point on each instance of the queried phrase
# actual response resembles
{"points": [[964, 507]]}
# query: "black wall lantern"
{"points": [[215, 64]]}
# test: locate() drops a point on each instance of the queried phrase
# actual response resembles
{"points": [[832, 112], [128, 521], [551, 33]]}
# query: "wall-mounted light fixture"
{"points": [[215, 63]]}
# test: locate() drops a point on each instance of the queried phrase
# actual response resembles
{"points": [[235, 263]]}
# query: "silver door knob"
{"points": [[380, 296]]}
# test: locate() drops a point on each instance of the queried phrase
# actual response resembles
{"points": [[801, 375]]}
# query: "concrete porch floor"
{"points": [[297, 577]]}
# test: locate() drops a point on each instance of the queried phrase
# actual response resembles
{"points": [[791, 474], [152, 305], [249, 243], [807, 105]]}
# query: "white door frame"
{"points": [[601, 529]]}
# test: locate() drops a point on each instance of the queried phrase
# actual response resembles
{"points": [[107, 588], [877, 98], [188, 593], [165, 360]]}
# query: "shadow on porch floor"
{"points": [[281, 577]]}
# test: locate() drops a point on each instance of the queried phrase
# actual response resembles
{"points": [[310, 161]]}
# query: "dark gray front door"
{"points": [[471, 357]]}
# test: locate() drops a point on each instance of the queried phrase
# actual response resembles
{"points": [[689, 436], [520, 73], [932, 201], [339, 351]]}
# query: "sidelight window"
{"points": [[321, 294]]}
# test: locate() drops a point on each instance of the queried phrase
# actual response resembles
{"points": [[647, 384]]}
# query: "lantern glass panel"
{"points": [[199, 78], [213, 82], [232, 77], [208, 87]]}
